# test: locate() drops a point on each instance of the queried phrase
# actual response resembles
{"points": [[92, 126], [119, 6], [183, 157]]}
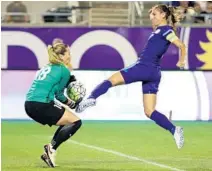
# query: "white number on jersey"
{"points": [[41, 75]]}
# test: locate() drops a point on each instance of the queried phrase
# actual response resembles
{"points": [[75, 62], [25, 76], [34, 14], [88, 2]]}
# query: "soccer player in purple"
{"points": [[147, 69]]}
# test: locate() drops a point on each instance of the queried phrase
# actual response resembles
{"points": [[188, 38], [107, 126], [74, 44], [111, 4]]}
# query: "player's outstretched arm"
{"points": [[182, 47]]}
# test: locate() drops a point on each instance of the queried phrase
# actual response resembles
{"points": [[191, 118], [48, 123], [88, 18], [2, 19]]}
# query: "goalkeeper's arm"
{"points": [[63, 99], [60, 94]]}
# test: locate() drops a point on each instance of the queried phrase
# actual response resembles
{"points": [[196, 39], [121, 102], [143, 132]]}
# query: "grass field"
{"points": [[108, 146]]}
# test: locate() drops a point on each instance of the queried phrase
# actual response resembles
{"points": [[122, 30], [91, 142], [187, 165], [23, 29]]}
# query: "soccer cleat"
{"points": [[179, 137], [51, 154], [45, 158], [85, 104]]}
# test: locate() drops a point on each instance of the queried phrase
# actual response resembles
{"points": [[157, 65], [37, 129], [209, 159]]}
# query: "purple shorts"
{"points": [[148, 74]]}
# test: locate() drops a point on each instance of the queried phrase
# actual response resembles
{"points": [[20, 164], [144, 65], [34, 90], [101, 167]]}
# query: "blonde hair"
{"points": [[173, 14], [56, 50], [175, 17]]}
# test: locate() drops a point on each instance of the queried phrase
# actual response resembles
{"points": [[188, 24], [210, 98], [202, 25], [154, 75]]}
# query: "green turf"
{"points": [[22, 144]]}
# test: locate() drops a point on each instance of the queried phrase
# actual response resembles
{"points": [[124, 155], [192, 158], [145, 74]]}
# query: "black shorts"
{"points": [[44, 113]]}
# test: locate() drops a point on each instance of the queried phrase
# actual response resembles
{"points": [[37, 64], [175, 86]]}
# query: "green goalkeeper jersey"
{"points": [[49, 83]]}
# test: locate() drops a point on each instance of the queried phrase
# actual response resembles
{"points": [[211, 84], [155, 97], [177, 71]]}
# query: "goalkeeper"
{"points": [[48, 84]]}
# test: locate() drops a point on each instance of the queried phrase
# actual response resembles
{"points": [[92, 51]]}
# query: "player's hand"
{"points": [[71, 104], [181, 64], [72, 78]]}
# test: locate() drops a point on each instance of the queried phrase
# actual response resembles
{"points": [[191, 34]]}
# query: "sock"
{"points": [[57, 131], [162, 121], [100, 89], [63, 133]]}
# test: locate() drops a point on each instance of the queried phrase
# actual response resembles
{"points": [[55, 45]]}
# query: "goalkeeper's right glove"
{"points": [[71, 79]]}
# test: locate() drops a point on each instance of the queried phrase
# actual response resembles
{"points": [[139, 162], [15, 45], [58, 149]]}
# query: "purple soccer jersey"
{"points": [[147, 68], [157, 45]]}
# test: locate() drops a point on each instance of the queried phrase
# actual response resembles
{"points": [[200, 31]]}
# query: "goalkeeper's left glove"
{"points": [[73, 104]]}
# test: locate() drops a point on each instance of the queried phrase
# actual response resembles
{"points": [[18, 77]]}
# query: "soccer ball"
{"points": [[75, 91]]}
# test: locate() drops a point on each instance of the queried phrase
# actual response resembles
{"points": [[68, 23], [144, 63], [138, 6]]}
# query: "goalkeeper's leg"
{"points": [[68, 124]]}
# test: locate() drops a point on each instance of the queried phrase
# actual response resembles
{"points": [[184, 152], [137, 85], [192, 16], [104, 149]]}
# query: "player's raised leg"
{"points": [[102, 88], [160, 119], [126, 75]]}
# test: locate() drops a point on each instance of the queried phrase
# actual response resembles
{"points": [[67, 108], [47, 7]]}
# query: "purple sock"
{"points": [[162, 121], [100, 89]]}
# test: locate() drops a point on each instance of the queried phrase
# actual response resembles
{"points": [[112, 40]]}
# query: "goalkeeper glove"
{"points": [[71, 104], [71, 79]]}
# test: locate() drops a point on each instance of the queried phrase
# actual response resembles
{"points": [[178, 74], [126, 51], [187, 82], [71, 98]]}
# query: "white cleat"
{"points": [[85, 104], [51, 153], [179, 137]]}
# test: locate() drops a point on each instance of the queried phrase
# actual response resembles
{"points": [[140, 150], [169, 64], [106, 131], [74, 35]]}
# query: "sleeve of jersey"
{"points": [[170, 35], [64, 79]]}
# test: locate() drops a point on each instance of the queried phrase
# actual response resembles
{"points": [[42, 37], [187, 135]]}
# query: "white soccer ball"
{"points": [[75, 91]]}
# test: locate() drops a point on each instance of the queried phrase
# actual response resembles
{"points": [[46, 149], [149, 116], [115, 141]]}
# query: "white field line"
{"points": [[124, 155]]}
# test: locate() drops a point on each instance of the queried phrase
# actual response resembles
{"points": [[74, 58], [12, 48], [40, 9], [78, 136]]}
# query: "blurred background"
{"points": [[96, 13], [105, 36]]}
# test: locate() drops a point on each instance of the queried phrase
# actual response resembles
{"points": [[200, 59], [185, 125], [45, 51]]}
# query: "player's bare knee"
{"points": [[148, 111], [113, 81], [116, 79]]}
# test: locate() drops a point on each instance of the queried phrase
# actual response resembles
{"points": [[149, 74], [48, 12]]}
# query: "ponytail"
{"points": [[174, 17]]}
